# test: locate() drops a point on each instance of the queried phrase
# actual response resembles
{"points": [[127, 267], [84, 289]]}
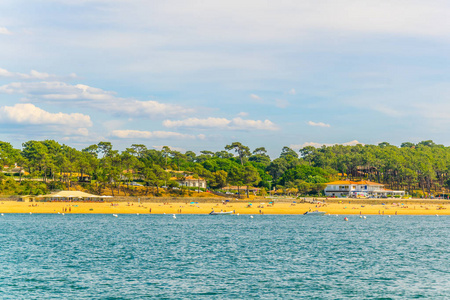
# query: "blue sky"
{"points": [[197, 75]]}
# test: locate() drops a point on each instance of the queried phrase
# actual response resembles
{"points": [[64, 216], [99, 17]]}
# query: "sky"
{"points": [[198, 75]]}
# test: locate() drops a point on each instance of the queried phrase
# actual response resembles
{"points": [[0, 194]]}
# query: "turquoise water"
{"points": [[223, 257]]}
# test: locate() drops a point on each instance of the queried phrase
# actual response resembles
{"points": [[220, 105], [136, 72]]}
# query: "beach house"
{"points": [[190, 181], [187, 179], [364, 188]]}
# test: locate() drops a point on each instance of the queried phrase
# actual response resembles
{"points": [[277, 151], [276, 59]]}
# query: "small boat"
{"points": [[315, 213], [221, 213]]}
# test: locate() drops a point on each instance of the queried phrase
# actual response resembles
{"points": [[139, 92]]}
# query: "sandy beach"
{"points": [[237, 207]]}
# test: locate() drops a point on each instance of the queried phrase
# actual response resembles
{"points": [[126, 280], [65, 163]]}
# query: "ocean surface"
{"points": [[224, 257]]}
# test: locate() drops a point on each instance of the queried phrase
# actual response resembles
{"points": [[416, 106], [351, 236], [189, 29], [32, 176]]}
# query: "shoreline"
{"points": [[257, 207]]}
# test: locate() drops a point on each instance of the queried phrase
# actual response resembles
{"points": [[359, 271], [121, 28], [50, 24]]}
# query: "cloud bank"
{"points": [[222, 123], [138, 134], [30, 114], [93, 97]]}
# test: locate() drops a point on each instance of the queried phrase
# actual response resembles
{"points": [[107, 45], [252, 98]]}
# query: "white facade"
{"points": [[358, 189], [192, 182]]}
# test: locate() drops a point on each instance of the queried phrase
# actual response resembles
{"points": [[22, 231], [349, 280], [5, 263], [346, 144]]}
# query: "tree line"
{"points": [[420, 169]]}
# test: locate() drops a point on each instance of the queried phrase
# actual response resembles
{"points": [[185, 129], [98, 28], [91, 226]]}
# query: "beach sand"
{"points": [[257, 207]]}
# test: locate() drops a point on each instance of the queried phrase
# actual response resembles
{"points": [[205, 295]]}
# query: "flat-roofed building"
{"points": [[364, 188]]}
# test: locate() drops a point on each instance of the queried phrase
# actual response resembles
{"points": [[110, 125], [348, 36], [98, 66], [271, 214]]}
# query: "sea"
{"points": [[51, 256]]}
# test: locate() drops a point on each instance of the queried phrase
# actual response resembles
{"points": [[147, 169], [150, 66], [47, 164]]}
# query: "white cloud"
{"points": [[242, 114], [138, 134], [195, 122], [352, 143], [4, 30], [93, 97], [318, 124], [56, 90], [241, 124], [292, 92], [148, 108], [5, 73], [36, 75], [281, 103], [222, 123], [33, 75], [318, 145], [29, 114], [255, 97]]}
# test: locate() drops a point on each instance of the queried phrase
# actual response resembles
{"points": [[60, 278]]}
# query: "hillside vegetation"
{"points": [[40, 166]]}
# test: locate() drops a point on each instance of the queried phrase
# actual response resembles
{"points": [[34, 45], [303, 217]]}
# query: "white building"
{"points": [[347, 188], [191, 181]]}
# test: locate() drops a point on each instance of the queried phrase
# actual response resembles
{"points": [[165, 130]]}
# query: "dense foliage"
{"points": [[417, 168]]}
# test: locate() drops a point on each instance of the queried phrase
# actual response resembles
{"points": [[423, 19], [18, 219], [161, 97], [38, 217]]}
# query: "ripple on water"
{"points": [[96, 256]]}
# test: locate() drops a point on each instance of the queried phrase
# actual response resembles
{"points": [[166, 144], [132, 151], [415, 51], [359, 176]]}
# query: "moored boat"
{"points": [[315, 213], [221, 213]]}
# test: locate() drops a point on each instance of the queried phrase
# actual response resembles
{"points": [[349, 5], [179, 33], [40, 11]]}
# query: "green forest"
{"points": [[421, 169]]}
